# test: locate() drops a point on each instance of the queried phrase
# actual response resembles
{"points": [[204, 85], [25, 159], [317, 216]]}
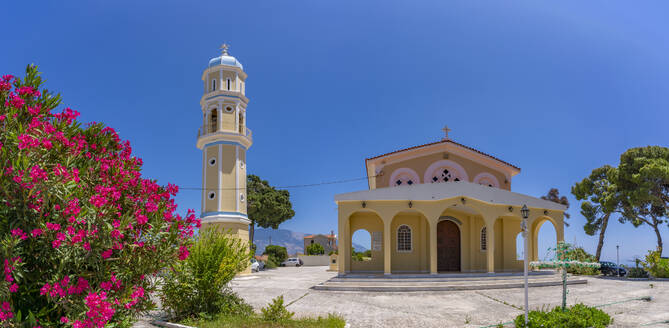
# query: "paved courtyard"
{"points": [[449, 309]]}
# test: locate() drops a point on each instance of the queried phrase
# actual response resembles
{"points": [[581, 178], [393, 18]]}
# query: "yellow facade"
{"points": [[224, 139], [440, 207]]}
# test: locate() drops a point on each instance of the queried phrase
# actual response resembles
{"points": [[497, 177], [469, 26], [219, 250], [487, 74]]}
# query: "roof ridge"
{"points": [[445, 141]]}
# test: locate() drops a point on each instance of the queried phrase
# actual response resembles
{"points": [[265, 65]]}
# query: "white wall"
{"points": [[315, 260]]}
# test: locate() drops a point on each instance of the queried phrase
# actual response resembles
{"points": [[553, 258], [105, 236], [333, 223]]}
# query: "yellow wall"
{"points": [[421, 164], [417, 260], [228, 176], [241, 168], [211, 205]]}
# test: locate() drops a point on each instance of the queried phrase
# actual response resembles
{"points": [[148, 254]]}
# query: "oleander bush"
{"points": [[199, 284], [82, 233], [657, 266], [577, 316]]}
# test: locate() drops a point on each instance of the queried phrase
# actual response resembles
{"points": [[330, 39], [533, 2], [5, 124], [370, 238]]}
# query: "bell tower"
{"points": [[224, 139]]}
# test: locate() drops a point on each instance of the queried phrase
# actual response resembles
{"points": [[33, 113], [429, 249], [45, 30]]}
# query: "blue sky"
{"points": [[557, 89]]}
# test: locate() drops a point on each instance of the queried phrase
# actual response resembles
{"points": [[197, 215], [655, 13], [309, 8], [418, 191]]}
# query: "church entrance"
{"points": [[448, 246]]}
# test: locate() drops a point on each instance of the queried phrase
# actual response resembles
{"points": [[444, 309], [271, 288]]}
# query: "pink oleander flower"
{"points": [[36, 232], [106, 254]]}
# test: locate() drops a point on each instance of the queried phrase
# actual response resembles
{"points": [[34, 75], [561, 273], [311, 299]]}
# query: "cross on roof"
{"points": [[224, 48], [446, 131]]}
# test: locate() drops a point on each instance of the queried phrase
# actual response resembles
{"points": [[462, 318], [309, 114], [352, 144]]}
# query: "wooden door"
{"points": [[448, 246]]}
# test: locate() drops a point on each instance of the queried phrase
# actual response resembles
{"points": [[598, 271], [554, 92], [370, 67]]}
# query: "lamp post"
{"points": [[526, 213], [618, 259]]}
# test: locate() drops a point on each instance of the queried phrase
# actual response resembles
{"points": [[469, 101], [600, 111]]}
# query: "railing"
{"points": [[207, 130]]}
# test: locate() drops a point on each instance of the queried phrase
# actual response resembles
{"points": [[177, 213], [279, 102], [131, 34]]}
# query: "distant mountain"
{"points": [[292, 241]]}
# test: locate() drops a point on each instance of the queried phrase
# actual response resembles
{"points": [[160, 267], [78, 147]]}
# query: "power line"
{"points": [[290, 186]]}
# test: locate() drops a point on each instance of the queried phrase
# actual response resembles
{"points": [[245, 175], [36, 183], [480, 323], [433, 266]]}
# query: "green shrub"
{"points": [[576, 316], [270, 264], [637, 273], [333, 252], [579, 254], [315, 249], [277, 253], [356, 256], [198, 285], [232, 305], [276, 311], [656, 266]]}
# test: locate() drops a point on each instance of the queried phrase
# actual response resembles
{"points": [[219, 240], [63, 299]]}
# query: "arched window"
{"points": [[213, 120], [404, 238], [213, 84], [486, 179], [445, 171], [241, 122], [228, 84], [403, 177], [484, 239]]}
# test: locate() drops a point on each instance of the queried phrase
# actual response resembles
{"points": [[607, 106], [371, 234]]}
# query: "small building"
{"points": [[441, 207], [329, 242]]}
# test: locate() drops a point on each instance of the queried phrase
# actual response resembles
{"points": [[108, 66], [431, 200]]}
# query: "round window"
{"points": [[241, 164], [228, 109], [241, 197], [211, 195], [212, 161]]}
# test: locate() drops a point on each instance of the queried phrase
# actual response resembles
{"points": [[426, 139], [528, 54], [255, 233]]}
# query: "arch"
{"points": [[486, 179], [405, 176], [538, 251], [371, 222], [437, 169], [213, 120], [450, 218], [404, 243]]}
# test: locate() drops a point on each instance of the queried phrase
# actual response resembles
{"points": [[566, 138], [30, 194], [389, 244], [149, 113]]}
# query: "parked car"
{"points": [[255, 266], [293, 261], [611, 269], [261, 265]]}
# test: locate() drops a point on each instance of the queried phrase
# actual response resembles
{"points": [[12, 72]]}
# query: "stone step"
{"points": [[411, 286], [428, 278]]}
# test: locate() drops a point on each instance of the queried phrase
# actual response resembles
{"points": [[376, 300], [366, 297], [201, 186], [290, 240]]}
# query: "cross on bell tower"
{"points": [[224, 49], [446, 131]]}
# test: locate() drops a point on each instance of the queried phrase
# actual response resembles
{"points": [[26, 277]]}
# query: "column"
{"points": [[433, 246], [490, 243], [344, 257], [386, 247]]}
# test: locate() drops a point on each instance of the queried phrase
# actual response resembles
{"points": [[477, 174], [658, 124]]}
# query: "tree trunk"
{"points": [[602, 231], [659, 237]]}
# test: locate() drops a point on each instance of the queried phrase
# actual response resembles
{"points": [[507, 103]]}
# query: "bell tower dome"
{"points": [[224, 139]]}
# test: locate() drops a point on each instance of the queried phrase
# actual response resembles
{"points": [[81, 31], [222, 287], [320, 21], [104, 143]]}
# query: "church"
{"points": [[440, 207]]}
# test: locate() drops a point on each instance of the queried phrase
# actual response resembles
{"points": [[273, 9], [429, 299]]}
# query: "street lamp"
{"points": [[525, 212]]}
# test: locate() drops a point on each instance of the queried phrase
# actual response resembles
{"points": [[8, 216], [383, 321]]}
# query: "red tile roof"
{"points": [[445, 141]]}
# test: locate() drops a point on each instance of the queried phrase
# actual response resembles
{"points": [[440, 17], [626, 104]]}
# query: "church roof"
{"points": [[445, 190], [445, 141]]}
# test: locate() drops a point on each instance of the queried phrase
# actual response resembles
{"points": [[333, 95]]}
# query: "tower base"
{"points": [[233, 225]]}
